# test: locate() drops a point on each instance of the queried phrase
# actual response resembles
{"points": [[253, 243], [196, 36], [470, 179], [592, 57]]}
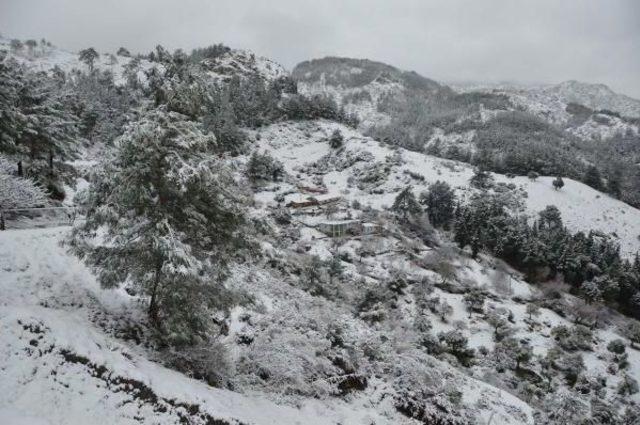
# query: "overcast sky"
{"points": [[449, 40]]}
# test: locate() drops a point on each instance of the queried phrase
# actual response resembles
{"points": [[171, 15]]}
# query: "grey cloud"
{"points": [[495, 40]]}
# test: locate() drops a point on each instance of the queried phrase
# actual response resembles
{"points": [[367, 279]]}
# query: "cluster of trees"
{"points": [[39, 125], [590, 263], [18, 46], [416, 114], [263, 167], [439, 204], [239, 102]]}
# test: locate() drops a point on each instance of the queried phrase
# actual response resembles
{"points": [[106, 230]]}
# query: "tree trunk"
{"points": [[20, 169], [153, 303], [50, 160]]}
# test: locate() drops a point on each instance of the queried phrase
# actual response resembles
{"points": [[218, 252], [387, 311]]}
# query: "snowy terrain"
{"points": [[583, 208], [74, 353], [45, 58], [69, 353], [594, 96], [60, 362]]}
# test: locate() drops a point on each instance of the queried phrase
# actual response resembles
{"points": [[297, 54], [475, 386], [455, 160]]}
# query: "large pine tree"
{"points": [[9, 113], [169, 215], [48, 128]]}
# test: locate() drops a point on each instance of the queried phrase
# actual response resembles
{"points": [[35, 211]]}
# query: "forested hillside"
{"points": [[346, 244], [574, 130]]}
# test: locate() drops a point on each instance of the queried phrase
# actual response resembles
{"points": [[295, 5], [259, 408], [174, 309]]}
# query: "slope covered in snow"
{"points": [[45, 58], [583, 208], [65, 360], [595, 96], [360, 85]]}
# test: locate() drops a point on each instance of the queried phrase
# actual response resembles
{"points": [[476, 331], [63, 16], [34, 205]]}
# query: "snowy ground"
{"points": [[60, 365]]}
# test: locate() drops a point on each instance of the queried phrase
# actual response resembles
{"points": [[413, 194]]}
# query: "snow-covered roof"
{"points": [[338, 222]]}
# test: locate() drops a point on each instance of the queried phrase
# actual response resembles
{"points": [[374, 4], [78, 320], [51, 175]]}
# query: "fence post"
{"points": [[1, 220]]}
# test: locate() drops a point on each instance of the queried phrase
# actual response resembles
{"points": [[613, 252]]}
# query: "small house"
{"points": [[370, 228], [340, 228]]}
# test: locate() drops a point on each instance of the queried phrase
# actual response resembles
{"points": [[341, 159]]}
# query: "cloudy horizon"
{"points": [[542, 41]]}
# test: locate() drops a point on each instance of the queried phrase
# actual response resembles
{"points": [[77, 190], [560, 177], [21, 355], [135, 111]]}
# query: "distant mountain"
{"points": [[596, 96], [555, 97], [360, 85]]}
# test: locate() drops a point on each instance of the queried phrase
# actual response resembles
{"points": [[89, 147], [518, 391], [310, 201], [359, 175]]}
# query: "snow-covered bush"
{"points": [[573, 339], [616, 346], [210, 362], [455, 343], [628, 385], [424, 393], [371, 175], [263, 167], [512, 353], [572, 365], [16, 192], [372, 307]]}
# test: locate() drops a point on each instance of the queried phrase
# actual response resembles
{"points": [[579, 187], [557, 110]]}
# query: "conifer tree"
{"points": [[558, 183], [335, 269], [89, 56], [440, 203], [405, 204], [170, 217], [48, 130], [592, 178], [336, 139], [9, 113]]}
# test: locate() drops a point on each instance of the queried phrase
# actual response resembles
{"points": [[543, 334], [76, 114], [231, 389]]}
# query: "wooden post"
{"points": [[2, 220]]}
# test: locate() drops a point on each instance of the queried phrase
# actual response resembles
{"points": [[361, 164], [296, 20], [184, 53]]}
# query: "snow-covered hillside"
{"points": [[360, 85], [68, 355], [74, 353], [595, 96], [583, 208], [45, 58], [551, 103], [232, 62], [243, 63]]}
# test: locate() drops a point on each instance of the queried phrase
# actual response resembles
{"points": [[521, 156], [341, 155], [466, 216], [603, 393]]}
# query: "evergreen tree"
{"points": [[263, 167], [336, 139], [440, 203], [16, 45], [405, 204], [481, 178], [48, 129], [170, 217], [558, 183], [89, 56], [9, 113], [550, 218], [123, 51], [614, 182], [31, 45], [592, 178], [335, 269]]}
